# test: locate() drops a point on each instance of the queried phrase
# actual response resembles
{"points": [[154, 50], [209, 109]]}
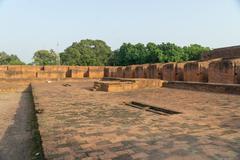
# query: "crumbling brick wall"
{"points": [[227, 52], [129, 71], [51, 75], [179, 71], [169, 71], [196, 71], [120, 72], [225, 71], [3, 68], [110, 71], [77, 71], [141, 71], [95, 72], [155, 71]]}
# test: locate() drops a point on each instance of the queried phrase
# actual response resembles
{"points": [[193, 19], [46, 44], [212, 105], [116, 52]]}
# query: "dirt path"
{"points": [[15, 126]]}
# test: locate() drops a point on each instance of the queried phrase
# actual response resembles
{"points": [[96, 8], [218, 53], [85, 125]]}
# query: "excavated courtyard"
{"points": [[77, 123]]}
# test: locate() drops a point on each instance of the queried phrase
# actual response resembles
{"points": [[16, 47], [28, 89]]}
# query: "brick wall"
{"points": [[95, 72], [169, 71], [129, 71], [155, 71], [224, 71], [179, 71], [141, 71], [196, 71], [227, 52]]}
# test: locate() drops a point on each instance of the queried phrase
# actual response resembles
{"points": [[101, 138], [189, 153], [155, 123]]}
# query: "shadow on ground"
{"points": [[18, 141]]}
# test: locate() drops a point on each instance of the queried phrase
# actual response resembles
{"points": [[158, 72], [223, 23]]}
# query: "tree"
{"points": [[194, 51], [6, 59], [171, 53], [152, 53], [155, 54], [45, 57], [86, 53]]}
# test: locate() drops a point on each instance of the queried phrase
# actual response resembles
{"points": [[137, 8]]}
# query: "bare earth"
{"points": [[16, 111], [80, 124]]}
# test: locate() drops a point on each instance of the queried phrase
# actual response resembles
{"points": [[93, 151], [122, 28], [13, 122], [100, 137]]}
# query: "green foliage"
{"points": [[6, 59], [45, 57], [194, 51], [86, 53], [152, 53]]}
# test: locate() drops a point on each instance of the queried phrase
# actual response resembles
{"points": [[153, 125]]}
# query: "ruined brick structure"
{"points": [[226, 52], [214, 68]]}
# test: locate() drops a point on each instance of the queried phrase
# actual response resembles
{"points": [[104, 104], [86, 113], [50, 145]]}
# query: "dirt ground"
{"points": [[16, 110], [77, 123]]}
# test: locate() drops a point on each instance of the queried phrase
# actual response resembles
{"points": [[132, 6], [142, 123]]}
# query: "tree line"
{"points": [[98, 53]]}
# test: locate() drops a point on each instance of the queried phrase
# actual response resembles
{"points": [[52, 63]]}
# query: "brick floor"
{"points": [[77, 123]]}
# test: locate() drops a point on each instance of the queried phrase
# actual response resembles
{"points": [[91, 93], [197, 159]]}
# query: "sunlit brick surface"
{"points": [[77, 123]]}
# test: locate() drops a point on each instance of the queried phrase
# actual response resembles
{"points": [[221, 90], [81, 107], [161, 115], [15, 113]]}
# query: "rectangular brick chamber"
{"points": [[120, 84]]}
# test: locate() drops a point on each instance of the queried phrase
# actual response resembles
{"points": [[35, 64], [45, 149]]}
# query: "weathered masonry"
{"points": [[219, 66]]}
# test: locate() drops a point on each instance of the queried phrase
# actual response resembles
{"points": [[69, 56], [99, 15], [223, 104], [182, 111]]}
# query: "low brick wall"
{"points": [[76, 73], [56, 68], [51, 75], [120, 72], [17, 74], [205, 87], [95, 72], [110, 71], [196, 71], [179, 71], [225, 71], [169, 71], [24, 68], [129, 71], [213, 71], [120, 84], [3, 68], [227, 52], [141, 71], [83, 69], [155, 71]]}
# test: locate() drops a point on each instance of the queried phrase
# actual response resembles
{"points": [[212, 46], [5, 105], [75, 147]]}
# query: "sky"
{"points": [[30, 25]]}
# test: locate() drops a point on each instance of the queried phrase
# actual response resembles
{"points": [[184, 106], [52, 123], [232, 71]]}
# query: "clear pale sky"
{"points": [[29, 25]]}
